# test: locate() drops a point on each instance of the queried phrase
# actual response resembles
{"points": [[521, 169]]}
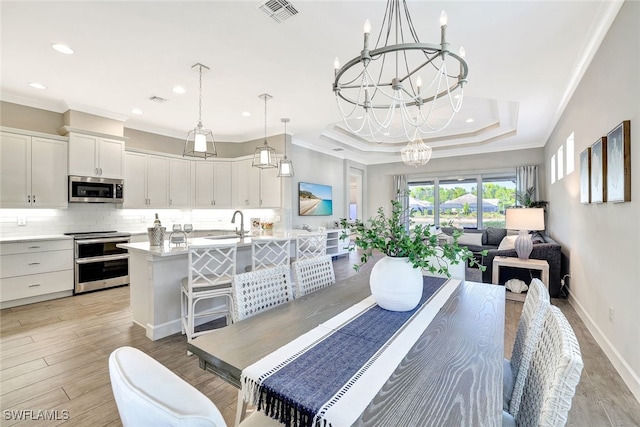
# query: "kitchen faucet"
{"points": [[233, 221]]}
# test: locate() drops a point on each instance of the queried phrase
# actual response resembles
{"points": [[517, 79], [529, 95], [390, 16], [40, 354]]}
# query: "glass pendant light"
{"points": [[285, 166], [200, 141]]}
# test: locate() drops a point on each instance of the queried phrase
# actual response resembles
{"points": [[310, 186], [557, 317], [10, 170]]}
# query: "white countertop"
{"points": [[35, 238]]}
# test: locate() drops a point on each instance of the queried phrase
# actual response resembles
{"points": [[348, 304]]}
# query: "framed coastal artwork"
{"points": [[585, 176], [619, 163], [314, 199], [599, 171]]}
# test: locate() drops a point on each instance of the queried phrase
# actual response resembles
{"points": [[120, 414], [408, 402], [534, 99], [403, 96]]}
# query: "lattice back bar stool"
{"points": [[313, 274], [311, 245], [270, 252], [211, 271], [554, 373], [260, 290]]}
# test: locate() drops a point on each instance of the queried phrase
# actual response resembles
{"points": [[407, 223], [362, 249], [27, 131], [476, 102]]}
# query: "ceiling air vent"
{"points": [[157, 99], [278, 10], [338, 149]]}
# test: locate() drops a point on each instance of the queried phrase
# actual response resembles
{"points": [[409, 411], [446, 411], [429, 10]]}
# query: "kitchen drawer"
{"points": [[35, 246], [35, 284], [35, 263]]}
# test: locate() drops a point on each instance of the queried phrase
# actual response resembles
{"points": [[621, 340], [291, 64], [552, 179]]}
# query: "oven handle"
{"points": [[103, 240], [101, 258]]}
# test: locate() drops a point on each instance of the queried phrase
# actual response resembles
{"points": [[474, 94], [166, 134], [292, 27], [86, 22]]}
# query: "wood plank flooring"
{"points": [[53, 357]]}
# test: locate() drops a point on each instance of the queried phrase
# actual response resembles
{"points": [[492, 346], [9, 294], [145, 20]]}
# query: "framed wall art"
{"points": [[619, 163], [585, 176], [599, 171]]}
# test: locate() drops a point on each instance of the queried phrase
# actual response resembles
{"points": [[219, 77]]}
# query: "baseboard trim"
{"points": [[631, 379]]}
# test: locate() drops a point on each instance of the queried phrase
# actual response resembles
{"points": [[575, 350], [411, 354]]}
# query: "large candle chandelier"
{"points": [[399, 89]]}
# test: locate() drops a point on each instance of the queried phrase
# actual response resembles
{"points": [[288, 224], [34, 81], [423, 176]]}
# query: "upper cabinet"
{"points": [[156, 181], [246, 184], [95, 156], [179, 183], [213, 184], [33, 171], [270, 188]]}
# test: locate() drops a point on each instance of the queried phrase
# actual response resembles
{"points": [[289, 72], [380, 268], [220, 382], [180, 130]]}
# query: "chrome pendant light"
{"points": [[265, 157], [285, 166], [199, 142], [380, 92]]}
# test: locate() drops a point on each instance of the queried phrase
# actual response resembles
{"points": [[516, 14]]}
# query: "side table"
{"points": [[529, 264]]}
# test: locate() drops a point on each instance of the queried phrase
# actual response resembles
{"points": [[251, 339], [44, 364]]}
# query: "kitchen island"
{"points": [[155, 273]]}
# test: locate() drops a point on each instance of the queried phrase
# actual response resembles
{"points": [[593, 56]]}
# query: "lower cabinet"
{"points": [[36, 270]]}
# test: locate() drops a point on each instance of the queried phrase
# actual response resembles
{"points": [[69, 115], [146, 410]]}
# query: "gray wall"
{"points": [[603, 241], [27, 118]]}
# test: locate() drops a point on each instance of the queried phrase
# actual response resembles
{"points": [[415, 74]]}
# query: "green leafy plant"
{"points": [[527, 201], [389, 235]]}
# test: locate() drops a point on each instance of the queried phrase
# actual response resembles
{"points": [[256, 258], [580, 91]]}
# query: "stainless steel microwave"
{"points": [[88, 189]]}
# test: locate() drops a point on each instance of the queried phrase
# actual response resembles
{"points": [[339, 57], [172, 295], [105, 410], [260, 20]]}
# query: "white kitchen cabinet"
{"points": [[146, 181], [270, 191], [35, 270], [213, 184], [33, 171], [246, 184], [179, 183], [95, 156]]}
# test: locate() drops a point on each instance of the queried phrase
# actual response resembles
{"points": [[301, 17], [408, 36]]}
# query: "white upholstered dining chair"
{"points": [[211, 270], [553, 375], [312, 274], [311, 245], [528, 332], [260, 290], [270, 252], [148, 394]]}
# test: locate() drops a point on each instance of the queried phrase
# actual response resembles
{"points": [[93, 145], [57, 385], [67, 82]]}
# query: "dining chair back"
{"points": [[270, 252], [149, 394], [528, 332], [311, 245], [211, 271], [260, 290], [554, 373], [312, 274]]}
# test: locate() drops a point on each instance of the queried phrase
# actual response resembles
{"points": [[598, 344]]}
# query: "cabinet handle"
{"points": [[170, 202], [96, 171], [34, 247], [34, 263], [100, 171], [34, 198], [29, 198], [35, 285]]}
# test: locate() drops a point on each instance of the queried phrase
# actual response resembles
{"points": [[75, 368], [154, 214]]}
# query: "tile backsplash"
{"points": [[83, 217]]}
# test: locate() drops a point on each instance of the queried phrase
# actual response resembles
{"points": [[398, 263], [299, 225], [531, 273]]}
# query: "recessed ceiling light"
{"points": [[37, 85], [136, 111], [62, 48], [246, 114], [470, 120], [178, 89]]}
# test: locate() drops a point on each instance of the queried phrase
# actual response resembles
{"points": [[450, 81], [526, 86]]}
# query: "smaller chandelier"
{"points": [[285, 166], [416, 153], [265, 157], [199, 142], [381, 93]]}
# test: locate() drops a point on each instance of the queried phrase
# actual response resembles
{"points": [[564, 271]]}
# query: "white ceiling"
{"points": [[525, 59]]}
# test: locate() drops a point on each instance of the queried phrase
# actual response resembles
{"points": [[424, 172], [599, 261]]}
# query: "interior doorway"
{"points": [[355, 194]]}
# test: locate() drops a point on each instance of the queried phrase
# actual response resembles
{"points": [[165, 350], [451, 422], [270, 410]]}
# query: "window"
{"points": [[455, 201], [570, 154], [560, 162], [553, 169]]}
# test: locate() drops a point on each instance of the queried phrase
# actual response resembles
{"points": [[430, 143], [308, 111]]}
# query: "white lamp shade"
{"points": [[200, 143], [525, 219]]}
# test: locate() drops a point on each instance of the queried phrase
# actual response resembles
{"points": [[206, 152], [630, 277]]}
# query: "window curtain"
{"points": [[401, 191], [527, 177]]}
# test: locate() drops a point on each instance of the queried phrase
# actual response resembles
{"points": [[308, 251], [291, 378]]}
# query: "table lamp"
{"points": [[524, 220]]}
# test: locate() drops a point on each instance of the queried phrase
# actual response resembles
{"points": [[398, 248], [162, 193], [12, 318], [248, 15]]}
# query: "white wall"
{"points": [[603, 241]]}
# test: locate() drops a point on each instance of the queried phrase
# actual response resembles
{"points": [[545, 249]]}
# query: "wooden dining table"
{"points": [[452, 376]]}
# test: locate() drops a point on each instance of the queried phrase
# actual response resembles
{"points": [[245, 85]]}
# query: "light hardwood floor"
{"points": [[53, 356]]}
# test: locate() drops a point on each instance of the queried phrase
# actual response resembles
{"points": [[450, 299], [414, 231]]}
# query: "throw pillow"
{"points": [[536, 237], [495, 235], [507, 243], [467, 239]]}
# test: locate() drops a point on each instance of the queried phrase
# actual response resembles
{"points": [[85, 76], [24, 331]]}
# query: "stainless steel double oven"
{"points": [[99, 264]]}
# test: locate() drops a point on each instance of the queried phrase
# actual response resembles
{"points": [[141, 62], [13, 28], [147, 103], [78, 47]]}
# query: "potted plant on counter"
{"points": [[396, 279]]}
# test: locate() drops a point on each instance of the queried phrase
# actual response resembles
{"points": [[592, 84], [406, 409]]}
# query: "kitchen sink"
{"points": [[223, 236]]}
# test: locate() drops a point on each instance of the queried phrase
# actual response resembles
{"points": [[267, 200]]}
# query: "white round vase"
{"points": [[395, 284]]}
